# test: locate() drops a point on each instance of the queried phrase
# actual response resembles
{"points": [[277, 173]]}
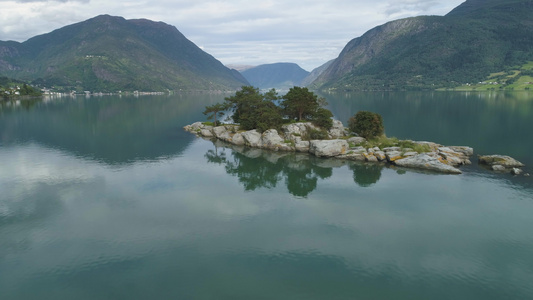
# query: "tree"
{"points": [[243, 102], [253, 110], [300, 104], [367, 124], [215, 110], [322, 118]]}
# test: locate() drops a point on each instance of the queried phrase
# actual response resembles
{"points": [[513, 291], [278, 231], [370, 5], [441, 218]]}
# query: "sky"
{"points": [[236, 32]]}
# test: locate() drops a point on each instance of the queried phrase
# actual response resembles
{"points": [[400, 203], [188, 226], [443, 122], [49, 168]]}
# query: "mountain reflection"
{"points": [[300, 172], [113, 130]]}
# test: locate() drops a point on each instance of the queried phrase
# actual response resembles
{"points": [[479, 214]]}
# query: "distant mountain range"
{"points": [[109, 53], [278, 75], [477, 38]]}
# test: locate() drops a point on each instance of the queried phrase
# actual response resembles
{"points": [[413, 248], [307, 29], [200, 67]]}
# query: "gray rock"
{"points": [[252, 138], [426, 162], [499, 168], [219, 131], [195, 126], [328, 148], [206, 133], [356, 140], [380, 155], [516, 171], [466, 151], [238, 139], [358, 150], [301, 146], [353, 156], [393, 156], [411, 153], [392, 149], [370, 157], [337, 130], [502, 160], [272, 140]]}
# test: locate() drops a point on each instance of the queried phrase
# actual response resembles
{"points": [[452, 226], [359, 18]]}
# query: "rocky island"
{"points": [[341, 145], [303, 125]]}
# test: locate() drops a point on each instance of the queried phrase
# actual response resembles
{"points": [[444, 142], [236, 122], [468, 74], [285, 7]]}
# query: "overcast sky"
{"points": [[251, 32]]}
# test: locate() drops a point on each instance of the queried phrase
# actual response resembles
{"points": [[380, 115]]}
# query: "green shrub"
{"points": [[318, 134], [367, 124], [322, 118]]}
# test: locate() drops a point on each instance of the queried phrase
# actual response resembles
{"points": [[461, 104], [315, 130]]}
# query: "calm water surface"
{"points": [[108, 198]]}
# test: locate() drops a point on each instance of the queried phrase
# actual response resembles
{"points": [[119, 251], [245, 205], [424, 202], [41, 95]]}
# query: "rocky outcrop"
{"points": [[295, 137], [328, 148], [502, 163], [427, 162]]}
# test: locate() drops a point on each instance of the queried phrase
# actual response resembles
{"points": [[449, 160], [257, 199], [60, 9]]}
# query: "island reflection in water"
{"points": [[257, 168]]}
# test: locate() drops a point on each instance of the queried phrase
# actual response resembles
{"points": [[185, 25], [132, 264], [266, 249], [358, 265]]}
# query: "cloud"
{"points": [[234, 31]]}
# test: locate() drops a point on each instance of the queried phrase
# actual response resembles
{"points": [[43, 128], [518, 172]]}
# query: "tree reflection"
{"points": [[301, 172], [366, 175]]}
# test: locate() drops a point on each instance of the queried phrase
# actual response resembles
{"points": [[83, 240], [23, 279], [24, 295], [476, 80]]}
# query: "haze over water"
{"points": [[108, 198]]}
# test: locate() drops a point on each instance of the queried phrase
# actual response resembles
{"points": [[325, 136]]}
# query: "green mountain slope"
{"points": [[477, 38], [278, 75], [110, 53]]}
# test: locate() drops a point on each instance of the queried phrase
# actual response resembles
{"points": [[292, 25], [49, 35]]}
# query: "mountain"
{"points": [[108, 53], [477, 38], [278, 75], [316, 73]]}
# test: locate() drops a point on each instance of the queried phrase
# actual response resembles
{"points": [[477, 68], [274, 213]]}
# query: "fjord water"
{"points": [[108, 198]]}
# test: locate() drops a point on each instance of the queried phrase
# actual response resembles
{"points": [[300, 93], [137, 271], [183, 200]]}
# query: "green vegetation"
{"points": [[253, 110], [384, 142], [303, 105], [110, 54], [367, 124], [215, 110], [476, 39], [514, 78], [10, 88]]}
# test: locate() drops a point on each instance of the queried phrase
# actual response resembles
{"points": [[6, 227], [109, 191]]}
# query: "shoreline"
{"points": [[342, 145]]}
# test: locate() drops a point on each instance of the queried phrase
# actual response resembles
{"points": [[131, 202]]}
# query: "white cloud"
{"points": [[234, 31]]}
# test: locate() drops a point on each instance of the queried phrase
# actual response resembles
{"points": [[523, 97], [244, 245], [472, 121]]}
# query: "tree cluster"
{"points": [[252, 109]]}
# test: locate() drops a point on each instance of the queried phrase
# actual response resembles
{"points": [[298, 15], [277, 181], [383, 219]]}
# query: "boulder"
{"points": [[466, 151], [502, 160], [301, 146], [219, 131], [353, 156], [206, 133], [194, 127], [356, 140], [272, 140], [238, 139], [358, 150], [392, 149], [328, 148], [393, 156], [370, 157], [426, 162], [252, 138], [380, 155], [499, 168], [516, 171], [337, 130]]}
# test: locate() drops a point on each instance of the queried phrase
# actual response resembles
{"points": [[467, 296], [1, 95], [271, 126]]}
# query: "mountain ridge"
{"points": [[276, 75], [427, 52], [112, 53]]}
